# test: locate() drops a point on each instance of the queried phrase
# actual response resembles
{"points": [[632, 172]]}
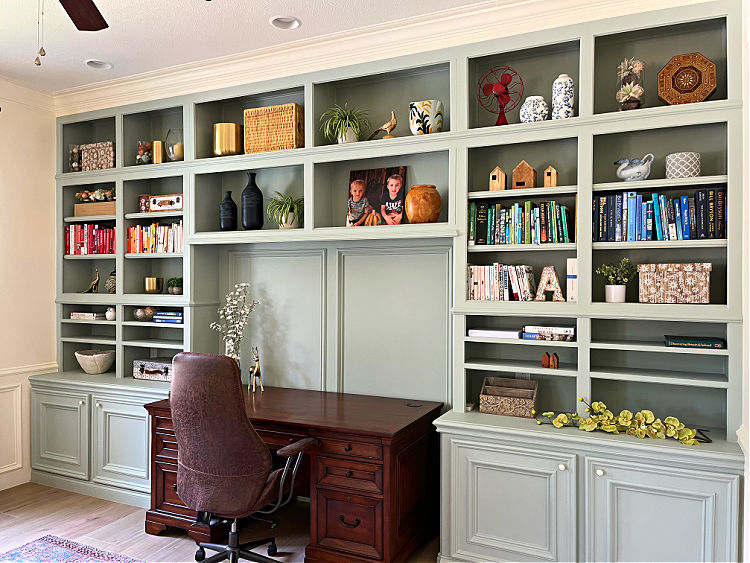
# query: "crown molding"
{"points": [[15, 94], [448, 28]]}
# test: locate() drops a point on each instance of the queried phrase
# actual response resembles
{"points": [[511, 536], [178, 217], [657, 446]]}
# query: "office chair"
{"points": [[223, 467]]}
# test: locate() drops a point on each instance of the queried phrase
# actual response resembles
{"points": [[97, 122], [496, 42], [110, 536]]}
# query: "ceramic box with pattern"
{"points": [[674, 283]]}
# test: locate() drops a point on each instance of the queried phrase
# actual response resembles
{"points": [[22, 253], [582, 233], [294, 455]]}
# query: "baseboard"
{"points": [[132, 498]]}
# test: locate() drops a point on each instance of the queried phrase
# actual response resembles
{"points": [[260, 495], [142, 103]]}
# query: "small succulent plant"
{"points": [[629, 91], [619, 273]]}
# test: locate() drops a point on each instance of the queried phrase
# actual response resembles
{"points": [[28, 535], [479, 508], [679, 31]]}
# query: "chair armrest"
{"points": [[297, 447]]}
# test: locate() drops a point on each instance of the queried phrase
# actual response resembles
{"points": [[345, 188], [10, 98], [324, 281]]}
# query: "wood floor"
{"points": [[30, 511]]}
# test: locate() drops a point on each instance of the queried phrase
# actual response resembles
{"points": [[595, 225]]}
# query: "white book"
{"points": [[488, 333], [550, 329]]}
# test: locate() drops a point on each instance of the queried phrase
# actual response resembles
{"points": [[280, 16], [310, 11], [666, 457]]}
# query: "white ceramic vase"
{"points": [[534, 109], [349, 137], [290, 222], [683, 164], [426, 117], [614, 293], [111, 314]]}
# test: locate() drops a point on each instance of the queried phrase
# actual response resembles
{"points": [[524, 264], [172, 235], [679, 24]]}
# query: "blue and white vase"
{"points": [[534, 109], [563, 97]]}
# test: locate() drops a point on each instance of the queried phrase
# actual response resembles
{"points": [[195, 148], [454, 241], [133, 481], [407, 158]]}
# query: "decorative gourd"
{"points": [[373, 219]]}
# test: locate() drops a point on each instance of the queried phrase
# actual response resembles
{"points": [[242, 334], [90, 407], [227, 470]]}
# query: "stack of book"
{"points": [[694, 342], [168, 317], [559, 333], [501, 282], [155, 238], [86, 238], [86, 316], [494, 333], [527, 223], [630, 216]]}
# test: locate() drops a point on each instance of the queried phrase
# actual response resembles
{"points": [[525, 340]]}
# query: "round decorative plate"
{"points": [[687, 78]]}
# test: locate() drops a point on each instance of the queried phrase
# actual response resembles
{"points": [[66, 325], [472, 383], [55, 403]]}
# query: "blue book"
{"points": [[491, 225], [536, 226], [168, 314], [564, 217], [657, 217], [519, 225], [678, 218], [640, 218], [172, 320], [664, 216], [618, 217], [631, 217], [649, 220], [685, 217]]}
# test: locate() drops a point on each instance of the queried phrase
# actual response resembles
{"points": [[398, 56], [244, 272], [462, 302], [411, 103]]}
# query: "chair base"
{"points": [[234, 551]]}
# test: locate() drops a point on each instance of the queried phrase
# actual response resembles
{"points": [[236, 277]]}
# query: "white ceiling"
{"points": [[148, 35]]}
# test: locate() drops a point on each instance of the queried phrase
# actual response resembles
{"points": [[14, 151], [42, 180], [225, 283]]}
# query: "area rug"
{"points": [[51, 549]]}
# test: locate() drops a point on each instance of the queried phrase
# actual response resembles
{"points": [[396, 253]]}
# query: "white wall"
{"points": [[27, 266]]}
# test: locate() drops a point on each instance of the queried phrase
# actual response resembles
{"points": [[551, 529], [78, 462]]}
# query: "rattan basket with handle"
{"points": [[274, 128]]}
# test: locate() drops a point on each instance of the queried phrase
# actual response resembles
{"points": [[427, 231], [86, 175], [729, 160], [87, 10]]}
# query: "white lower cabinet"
{"points": [[643, 512], [120, 439], [512, 503]]}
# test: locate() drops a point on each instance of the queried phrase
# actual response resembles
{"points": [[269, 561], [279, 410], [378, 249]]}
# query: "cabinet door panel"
{"points": [[651, 513], [513, 504], [121, 443], [60, 432]]}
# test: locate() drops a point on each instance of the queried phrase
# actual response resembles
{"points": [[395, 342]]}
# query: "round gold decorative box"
{"points": [[423, 204], [227, 139]]}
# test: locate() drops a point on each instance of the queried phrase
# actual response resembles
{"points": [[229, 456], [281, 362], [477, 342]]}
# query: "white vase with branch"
{"points": [[233, 318]]}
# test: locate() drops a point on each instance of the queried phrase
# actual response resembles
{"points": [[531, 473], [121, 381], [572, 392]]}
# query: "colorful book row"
{"points": [[630, 216], [522, 223], [83, 239], [501, 282], [155, 238]]}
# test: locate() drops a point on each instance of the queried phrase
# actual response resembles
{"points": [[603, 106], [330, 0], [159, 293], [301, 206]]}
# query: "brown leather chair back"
{"points": [[223, 465]]}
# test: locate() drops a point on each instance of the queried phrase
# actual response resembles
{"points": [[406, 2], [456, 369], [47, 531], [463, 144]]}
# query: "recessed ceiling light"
{"points": [[98, 65], [285, 22]]}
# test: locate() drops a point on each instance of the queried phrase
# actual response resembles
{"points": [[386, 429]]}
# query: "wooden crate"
{"points": [[95, 208], [674, 283], [274, 128], [508, 396]]}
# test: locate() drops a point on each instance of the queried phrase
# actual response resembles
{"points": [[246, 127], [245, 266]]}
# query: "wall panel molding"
{"points": [[33, 369], [12, 406]]}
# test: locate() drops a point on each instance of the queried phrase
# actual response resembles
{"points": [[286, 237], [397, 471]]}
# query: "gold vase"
{"points": [[227, 139], [153, 285]]}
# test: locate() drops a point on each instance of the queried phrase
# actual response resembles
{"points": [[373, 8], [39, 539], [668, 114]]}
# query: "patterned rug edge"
{"points": [[34, 551]]}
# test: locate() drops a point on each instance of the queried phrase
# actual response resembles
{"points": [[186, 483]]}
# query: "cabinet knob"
{"points": [[349, 473], [562, 467], [81, 403], [600, 472], [98, 405], [348, 448]]}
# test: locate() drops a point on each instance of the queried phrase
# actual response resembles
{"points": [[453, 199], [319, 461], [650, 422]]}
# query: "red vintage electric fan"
{"points": [[500, 90]]}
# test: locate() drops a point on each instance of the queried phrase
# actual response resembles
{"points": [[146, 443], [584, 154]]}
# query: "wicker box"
{"points": [[154, 369], [274, 128], [90, 209], [97, 156], [674, 283], [508, 396]]}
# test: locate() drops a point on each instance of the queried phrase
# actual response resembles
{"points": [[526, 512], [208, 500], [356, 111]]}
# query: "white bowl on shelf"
{"points": [[95, 361]]}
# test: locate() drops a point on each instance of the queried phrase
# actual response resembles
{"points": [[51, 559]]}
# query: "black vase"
{"points": [[252, 205], [228, 213]]}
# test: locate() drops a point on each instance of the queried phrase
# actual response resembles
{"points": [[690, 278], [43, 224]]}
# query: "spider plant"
{"points": [[281, 206], [337, 120]]}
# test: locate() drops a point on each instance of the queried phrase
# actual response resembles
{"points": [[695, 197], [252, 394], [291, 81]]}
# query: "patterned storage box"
{"points": [[508, 396], [674, 283], [154, 369], [274, 128], [97, 156]]}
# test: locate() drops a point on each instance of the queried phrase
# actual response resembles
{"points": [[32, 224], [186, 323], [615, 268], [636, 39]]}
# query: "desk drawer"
{"points": [[167, 498], [165, 446], [350, 475], [350, 523], [350, 448], [163, 422]]}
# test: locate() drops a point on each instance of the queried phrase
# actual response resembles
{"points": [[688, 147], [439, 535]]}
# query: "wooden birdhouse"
{"points": [[524, 176], [550, 177], [497, 179]]}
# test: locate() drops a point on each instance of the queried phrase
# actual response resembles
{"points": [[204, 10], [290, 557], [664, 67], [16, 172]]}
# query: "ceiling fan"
{"points": [[84, 14]]}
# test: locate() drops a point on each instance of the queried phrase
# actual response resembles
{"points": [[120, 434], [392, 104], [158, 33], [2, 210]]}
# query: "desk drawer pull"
{"points": [[349, 473], [345, 523], [174, 487], [348, 448]]}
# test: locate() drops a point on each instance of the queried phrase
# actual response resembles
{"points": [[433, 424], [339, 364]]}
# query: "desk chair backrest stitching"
{"points": [[223, 465]]}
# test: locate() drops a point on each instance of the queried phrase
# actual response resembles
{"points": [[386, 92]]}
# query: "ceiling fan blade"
{"points": [[84, 14]]}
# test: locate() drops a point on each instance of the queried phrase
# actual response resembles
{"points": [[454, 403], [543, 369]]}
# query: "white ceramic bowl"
{"points": [[95, 361]]}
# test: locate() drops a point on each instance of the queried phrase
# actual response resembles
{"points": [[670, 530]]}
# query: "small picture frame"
{"points": [[376, 197]]}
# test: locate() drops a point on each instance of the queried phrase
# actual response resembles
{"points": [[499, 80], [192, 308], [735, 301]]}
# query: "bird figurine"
{"points": [[255, 371], [94, 285], [387, 127], [636, 169]]}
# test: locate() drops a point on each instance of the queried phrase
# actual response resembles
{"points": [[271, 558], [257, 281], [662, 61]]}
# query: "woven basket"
{"points": [[274, 128], [508, 396]]}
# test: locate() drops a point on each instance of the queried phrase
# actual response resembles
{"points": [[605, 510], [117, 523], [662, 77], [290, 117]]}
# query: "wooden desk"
{"points": [[374, 477]]}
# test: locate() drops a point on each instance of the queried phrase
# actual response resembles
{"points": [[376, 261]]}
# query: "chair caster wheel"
{"points": [[271, 549], [200, 554]]}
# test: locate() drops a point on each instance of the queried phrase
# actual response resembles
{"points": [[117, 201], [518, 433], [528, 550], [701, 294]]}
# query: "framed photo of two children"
{"points": [[376, 197]]}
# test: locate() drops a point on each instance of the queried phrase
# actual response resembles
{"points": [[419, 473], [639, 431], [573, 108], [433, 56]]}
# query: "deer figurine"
{"points": [[255, 371]]}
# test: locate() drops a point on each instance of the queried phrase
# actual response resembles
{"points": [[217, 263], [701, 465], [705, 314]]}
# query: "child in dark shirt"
{"points": [[392, 202]]}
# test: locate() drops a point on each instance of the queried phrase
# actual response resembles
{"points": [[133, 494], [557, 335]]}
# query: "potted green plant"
{"points": [[174, 286], [286, 211], [343, 125], [617, 276]]}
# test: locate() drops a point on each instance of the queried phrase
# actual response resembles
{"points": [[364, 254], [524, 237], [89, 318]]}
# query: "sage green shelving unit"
{"points": [[618, 355]]}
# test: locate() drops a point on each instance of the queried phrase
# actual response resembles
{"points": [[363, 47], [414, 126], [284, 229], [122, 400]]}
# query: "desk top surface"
{"points": [[360, 414]]}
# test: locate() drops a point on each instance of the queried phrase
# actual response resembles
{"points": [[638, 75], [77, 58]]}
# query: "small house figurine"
{"points": [[497, 179], [550, 177], [524, 176], [255, 371]]}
